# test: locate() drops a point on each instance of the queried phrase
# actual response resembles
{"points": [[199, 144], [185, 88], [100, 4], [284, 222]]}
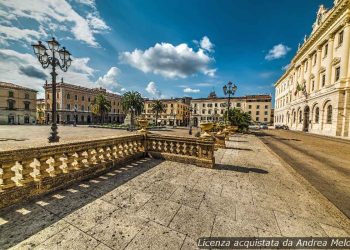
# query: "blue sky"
{"points": [[159, 48]]}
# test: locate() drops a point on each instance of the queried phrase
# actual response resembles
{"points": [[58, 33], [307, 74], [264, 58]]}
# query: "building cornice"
{"points": [[334, 14]]}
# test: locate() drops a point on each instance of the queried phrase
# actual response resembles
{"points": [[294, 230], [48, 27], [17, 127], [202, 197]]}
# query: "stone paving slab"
{"points": [[167, 205]]}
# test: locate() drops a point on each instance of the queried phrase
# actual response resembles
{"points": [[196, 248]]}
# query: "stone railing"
{"points": [[31, 172], [187, 150]]}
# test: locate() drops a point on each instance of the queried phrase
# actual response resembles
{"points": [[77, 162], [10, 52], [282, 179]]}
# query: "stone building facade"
{"points": [[213, 108], [40, 111], [17, 104], [313, 95], [210, 109], [75, 102], [176, 112]]}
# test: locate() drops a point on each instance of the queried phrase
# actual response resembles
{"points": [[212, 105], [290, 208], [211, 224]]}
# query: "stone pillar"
{"points": [[318, 67], [330, 56], [345, 74], [308, 80]]}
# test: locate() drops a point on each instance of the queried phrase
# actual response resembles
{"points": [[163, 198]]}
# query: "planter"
{"points": [[206, 127]]}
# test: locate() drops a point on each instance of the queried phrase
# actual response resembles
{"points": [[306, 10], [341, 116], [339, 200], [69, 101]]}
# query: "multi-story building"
{"points": [[17, 104], [314, 93], [40, 111], [176, 112], [213, 108], [210, 109], [75, 102]]}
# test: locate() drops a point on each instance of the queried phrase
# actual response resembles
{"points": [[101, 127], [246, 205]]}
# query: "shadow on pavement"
{"points": [[246, 149], [21, 221], [240, 169]]}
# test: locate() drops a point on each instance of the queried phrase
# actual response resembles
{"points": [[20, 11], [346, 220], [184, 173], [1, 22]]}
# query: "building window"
{"points": [[249, 106], [76, 97], [337, 73], [89, 99], [26, 96], [329, 114], [68, 118], [265, 113], [266, 106], [82, 108], [257, 119], [10, 93], [68, 106], [294, 117], [340, 38], [323, 80], [317, 114], [257, 113], [325, 50], [83, 98], [249, 112], [238, 104], [313, 85], [11, 104], [257, 106], [68, 96], [26, 106]]}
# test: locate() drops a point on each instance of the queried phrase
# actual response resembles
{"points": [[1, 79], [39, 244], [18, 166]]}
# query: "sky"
{"points": [[160, 48]]}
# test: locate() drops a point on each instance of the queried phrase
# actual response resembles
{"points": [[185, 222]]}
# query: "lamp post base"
{"points": [[54, 134]]}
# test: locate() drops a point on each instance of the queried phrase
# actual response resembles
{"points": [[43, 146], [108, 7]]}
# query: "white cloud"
{"points": [[285, 67], [189, 90], [153, 90], [49, 14], [170, 61], [278, 51], [204, 84], [206, 44], [14, 34], [24, 69], [110, 80]]}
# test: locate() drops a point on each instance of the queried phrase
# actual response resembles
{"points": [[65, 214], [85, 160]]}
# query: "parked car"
{"points": [[254, 127], [263, 126]]}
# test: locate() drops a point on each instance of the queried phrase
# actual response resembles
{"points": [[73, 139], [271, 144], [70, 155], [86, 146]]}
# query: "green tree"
{"points": [[158, 108], [238, 118], [101, 106], [132, 102]]}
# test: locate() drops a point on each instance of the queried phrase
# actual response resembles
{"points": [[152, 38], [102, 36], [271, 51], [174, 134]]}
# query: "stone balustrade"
{"points": [[186, 150], [31, 172]]}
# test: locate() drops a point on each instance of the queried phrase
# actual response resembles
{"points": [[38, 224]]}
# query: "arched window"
{"points": [[317, 114], [300, 116], [10, 93], [329, 114], [294, 117]]}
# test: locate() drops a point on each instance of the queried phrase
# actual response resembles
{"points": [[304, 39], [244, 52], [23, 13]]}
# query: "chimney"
{"points": [[62, 80], [46, 82]]}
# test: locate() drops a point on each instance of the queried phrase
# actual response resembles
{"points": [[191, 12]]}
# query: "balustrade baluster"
{"points": [[43, 168], [7, 175], [27, 170]]}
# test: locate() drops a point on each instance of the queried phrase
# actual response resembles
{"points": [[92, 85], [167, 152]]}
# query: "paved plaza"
{"points": [[154, 204]]}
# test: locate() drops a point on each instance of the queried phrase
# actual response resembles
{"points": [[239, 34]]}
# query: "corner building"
{"points": [[313, 95]]}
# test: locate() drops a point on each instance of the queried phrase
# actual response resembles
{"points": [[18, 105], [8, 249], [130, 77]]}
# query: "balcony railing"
{"points": [[26, 173]]}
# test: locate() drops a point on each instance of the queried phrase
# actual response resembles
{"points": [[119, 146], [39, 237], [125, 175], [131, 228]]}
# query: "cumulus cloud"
{"points": [[110, 80], [204, 84], [190, 90], [32, 72], [48, 14], [153, 90], [170, 61], [278, 51], [206, 44]]}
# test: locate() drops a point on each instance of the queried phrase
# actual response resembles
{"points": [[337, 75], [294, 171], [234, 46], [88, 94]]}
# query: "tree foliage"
{"points": [[237, 117], [158, 108], [132, 100], [101, 106]]}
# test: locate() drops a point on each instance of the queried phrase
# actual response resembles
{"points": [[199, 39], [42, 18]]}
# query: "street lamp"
{"points": [[228, 91], [190, 109], [75, 117], [48, 57]]}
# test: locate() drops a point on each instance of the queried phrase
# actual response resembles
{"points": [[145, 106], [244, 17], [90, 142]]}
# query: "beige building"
{"points": [[314, 93], [17, 104], [176, 112], [40, 111], [75, 102], [213, 108], [210, 109]]}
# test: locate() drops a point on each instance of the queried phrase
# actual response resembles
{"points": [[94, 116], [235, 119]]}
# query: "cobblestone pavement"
{"points": [[323, 161], [167, 205]]}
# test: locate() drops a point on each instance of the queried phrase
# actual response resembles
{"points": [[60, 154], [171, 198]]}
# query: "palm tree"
{"points": [[158, 108], [132, 102], [100, 106]]}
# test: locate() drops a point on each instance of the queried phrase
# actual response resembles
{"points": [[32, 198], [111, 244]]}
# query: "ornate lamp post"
{"points": [[190, 131], [228, 91], [53, 56]]}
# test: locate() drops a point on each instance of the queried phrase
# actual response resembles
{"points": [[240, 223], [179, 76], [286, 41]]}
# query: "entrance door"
{"points": [[306, 119]]}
